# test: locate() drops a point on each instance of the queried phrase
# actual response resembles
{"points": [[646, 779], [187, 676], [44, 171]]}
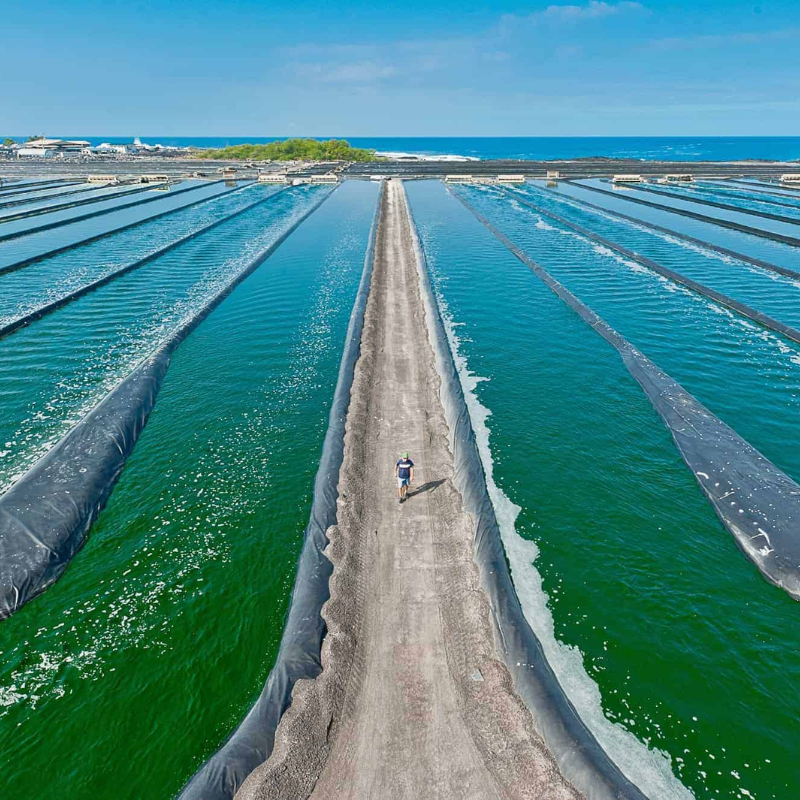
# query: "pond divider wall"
{"points": [[36, 212], [250, 745], [723, 300], [48, 308], [724, 251], [90, 215], [46, 514], [723, 223], [26, 262], [756, 502], [36, 186], [726, 206], [720, 190], [25, 200], [579, 756]]}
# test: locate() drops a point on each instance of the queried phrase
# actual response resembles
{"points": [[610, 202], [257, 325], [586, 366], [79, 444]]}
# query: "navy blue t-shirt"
{"points": [[404, 468]]}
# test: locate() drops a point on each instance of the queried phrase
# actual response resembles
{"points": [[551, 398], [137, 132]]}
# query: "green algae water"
{"points": [[123, 677], [680, 658]]}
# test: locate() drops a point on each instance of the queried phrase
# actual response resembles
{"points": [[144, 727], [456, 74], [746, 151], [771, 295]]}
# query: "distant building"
{"points": [[791, 177], [511, 179], [102, 179], [50, 148], [678, 177], [154, 179], [553, 174], [627, 179], [458, 178], [328, 177], [115, 149], [273, 177]]}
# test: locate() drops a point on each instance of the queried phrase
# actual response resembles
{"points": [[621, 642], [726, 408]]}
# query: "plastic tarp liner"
{"points": [[26, 262], [720, 190], [757, 503], [740, 308], [42, 199], [36, 212], [48, 308], [756, 262], [579, 756], [725, 206], [722, 223], [46, 514], [299, 655], [91, 214], [35, 186]]}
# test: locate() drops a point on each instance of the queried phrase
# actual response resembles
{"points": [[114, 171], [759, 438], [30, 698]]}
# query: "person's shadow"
{"points": [[426, 487]]}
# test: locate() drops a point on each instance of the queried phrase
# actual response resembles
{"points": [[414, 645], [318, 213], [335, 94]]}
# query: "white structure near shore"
{"points": [[273, 177], [627, 178]]}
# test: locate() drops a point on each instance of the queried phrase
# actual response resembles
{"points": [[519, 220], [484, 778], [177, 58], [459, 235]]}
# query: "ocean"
{"points": [[664, 148]]}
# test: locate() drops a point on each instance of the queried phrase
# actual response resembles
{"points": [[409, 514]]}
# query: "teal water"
{"points": [[764, 290], [747, 376], [35, 202], [54, 371], [65, 214], [721, 191], [123, 677], [44, 281], [692, 204], [776, 253], [747, 202], [45, 241], [664, 635]]}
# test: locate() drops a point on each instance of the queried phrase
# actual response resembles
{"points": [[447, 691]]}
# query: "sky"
{"points": [[410, 68]]}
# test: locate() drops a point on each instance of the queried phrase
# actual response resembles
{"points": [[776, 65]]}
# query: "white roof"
{"points": [[55, 143]]}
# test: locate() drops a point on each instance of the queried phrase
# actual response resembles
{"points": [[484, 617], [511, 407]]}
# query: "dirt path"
{"points": [[413, 702]]}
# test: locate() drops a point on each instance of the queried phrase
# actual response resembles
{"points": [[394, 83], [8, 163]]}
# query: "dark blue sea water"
{"points": [[666, 148]]}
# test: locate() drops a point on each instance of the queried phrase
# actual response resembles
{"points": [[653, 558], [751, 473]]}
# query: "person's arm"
{"points": [[396, 467], [412, 474]]}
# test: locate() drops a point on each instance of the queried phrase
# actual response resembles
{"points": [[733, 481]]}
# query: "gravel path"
{"points": [[413, 701]]}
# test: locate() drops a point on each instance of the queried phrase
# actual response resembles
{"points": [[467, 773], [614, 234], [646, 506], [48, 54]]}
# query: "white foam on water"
{"points": [[649, 768]]}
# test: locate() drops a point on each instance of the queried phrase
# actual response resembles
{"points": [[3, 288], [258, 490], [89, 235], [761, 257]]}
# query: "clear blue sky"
{"points": [[246, 68]]}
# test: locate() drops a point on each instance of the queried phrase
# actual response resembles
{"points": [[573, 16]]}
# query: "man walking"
{"points": [[404, 472]]}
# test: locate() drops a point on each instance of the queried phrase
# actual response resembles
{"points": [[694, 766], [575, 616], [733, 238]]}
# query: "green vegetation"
{"points": [[8, 142], [293, 150]]}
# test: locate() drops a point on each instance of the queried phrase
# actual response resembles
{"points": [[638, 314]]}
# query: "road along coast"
{"points": [[414, 699]]}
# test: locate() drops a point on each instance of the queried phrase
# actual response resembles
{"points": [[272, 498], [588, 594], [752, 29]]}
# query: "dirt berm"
{"points": [[413, 700]]}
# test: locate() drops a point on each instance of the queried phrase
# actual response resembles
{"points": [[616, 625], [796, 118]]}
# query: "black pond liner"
{"points": [[725, 206], [724, 251], [35, 186], [44, 198], [46, 515], [755, 501], [86, 201], [48, 308], [704, 291], [723, 191], [723, 223], [48, 226], [579, 756], [26, 262], [250, 745]]}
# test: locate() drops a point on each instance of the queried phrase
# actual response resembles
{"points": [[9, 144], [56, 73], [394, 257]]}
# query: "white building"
{"points": [[329, 177], [790, 177], [627, 178], [273, 177], [50, 148], [511, 179]]}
